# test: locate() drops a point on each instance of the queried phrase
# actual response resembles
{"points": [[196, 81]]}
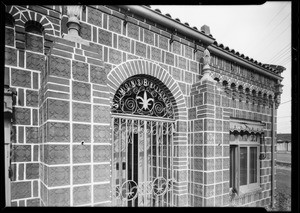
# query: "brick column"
{"points": [[180, 164], [74, 127], [209, 126]]}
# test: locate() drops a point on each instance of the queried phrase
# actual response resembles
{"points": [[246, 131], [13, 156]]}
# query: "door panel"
{"points": [[144, 149]]}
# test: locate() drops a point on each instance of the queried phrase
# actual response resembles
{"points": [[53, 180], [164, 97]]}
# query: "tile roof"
{"points": [[273, 68], [284, 137], [178, 20]]}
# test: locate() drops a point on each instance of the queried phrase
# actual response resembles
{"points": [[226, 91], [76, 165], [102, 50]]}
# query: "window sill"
{"points": [[248, 192]]}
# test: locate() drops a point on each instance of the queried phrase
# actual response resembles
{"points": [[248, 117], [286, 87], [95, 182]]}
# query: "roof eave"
{"points": [[229, 56], [183, 29], [168, 22]]}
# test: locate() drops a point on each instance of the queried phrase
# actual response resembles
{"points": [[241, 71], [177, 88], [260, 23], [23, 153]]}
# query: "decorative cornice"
{"points": [[242, 61], [205, 37], [168, 22]]}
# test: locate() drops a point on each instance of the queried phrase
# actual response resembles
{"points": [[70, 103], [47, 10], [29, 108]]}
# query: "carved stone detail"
{"points": [[101, 114], [102, 153], [58, 132], [105, 37], [60, 67], [81, 174], [80, 71], [81, 112], [9, 36], [58, 109], [94, 17], [57, 154], [101, 134], [81, 91], [21, 153], [22, 116], [85, 31], [81, 132], [98, 75], [21, 190], [20, 78], [133, 31], [124, 44], [34, 43], [102, 192], [81, 153], [115, 56], [81, 195], [101, 172], [114, 24], [35, 61], [10, 56], [59, 197], [31, 134], [59, 176]]}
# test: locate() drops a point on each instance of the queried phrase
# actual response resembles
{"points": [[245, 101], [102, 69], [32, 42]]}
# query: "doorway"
{"points": [[142, 161]]}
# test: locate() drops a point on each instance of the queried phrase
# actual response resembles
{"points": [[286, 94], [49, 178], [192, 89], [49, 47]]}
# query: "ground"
{"points": [[283, 183], [284, 156]]}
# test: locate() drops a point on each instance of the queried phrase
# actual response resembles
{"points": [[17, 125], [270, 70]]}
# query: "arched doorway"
{"points": [[142, 143]]}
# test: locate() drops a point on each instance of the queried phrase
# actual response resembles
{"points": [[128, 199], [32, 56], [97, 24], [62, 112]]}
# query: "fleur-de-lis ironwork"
{"points": [[142, 96], [145, 101]]}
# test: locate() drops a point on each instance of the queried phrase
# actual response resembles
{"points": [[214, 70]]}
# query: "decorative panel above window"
{"points": [[142, 95], [246, 126]]}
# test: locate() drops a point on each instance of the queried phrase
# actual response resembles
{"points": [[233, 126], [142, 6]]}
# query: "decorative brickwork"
{"points": [[62, 133]]}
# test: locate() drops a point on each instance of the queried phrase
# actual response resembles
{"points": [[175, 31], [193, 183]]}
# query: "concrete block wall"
{"points": [[64, 99], [261, 197], [209, 145], [59, 107], [75, 127], [24, 64], [248, 110]]}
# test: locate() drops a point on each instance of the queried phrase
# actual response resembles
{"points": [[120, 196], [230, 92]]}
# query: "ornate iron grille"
{"points": [[142, 161], [142, 96]]}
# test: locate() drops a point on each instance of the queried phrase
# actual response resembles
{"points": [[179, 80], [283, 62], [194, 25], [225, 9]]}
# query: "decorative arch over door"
{"points": [[146, 104], [143, 95], [145, 67]]}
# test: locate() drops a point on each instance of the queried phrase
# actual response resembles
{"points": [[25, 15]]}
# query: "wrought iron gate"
{"points": [[142, 161]]}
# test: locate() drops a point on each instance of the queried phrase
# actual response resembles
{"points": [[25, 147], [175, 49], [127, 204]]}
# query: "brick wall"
{"points": [[64, 98], [24, 64], [75, 127], [208, 145]]}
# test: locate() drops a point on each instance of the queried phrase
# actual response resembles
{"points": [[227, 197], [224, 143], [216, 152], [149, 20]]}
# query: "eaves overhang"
{"points": [[208, 40], [168, 22], [242, 62]]}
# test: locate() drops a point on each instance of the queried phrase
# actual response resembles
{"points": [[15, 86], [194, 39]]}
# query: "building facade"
{"points": [[284, 142], [125, 106]]}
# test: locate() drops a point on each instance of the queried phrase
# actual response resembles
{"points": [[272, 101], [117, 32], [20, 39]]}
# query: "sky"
{"points": [[262, 32]]}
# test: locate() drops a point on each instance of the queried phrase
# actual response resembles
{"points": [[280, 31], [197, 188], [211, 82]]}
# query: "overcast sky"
{"points": [[262, 32]]}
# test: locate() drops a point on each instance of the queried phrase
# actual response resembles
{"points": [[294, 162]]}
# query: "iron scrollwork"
{"points": [[142, 96], [129, 190]]}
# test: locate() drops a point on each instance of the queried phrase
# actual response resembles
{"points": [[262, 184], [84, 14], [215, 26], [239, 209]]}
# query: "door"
{"points": [[142, 161]]}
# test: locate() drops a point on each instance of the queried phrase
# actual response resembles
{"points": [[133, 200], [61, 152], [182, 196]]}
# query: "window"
{"points": [[244, 156], [34, 27]]}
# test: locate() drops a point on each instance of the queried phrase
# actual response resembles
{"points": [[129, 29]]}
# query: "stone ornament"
{"points": [[74, 13], [73, 25], [206, 67], [206, 57]]}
